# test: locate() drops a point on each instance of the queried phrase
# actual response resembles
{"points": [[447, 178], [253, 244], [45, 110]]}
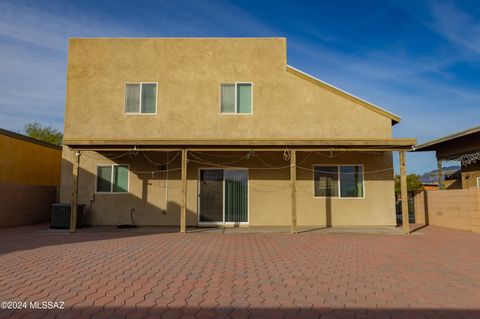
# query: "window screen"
{"points": [[149, 92], [104, 179], [228, 98], [351, 181], [236, 98], [132, 98], [120, 178], [244, 98], [326, 181], [141, 98]]}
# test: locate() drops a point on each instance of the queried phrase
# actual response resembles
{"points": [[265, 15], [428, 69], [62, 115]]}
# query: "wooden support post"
{"points": [[403, 193], [441, 184], [293, 179], [74, 200], [183, 212]]}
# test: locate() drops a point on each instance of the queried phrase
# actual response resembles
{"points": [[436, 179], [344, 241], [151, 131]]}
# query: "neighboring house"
{"points": [[462, 146], [220, 131], [429, 186], [29, 179]]}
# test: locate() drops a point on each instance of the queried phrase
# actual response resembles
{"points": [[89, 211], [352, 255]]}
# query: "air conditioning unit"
{"points": [[61, 216]]}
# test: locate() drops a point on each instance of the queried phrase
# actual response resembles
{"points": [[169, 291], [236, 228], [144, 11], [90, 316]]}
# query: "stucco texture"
{"points": [[457, 208], [269, 189], [29, 180], [28, 163], [189, 73]]}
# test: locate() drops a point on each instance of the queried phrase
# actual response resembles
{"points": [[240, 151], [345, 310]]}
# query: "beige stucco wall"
{"points": [[269, 190], [29, 180], [456, 208], [189, 73], [24, 162], [23, 204]]}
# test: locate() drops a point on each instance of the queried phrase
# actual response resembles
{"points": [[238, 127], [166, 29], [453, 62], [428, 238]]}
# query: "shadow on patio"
{"points": [[245, 312]]}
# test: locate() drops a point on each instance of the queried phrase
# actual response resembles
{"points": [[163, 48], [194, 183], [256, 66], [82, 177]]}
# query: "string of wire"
{"points": [[193, 157]]}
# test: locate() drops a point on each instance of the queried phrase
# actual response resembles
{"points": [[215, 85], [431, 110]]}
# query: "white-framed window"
{"points": [[343, 181], [141, 98], [236, 98], [112, 178], [478, 181]]}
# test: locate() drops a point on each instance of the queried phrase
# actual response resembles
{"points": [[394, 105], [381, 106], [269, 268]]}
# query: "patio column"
{"points": [[293, 179], [441, 184], [74, 201], [183, 212], [403, 193]]}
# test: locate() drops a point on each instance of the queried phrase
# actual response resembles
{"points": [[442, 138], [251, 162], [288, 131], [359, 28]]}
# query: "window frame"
{"points": [[140, 98], [111, 178], [339, 196], [478, 181], [236, 98]]}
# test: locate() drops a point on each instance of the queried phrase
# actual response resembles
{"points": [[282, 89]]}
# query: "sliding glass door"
{"points": [[223, 196], [236, 196]]}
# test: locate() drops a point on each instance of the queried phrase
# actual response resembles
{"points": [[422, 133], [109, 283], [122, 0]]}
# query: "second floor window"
{"points": [[141, 98], [236, 98]]}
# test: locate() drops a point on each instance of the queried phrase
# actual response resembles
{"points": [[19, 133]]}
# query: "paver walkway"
{"points": [[433, 274]]}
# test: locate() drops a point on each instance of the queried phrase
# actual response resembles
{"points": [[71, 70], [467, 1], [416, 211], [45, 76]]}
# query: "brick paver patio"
{"points": [[434, 273]]}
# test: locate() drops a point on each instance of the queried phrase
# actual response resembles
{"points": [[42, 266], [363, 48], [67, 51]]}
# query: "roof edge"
{"points": [[448, 138], [28, 139], [176, 38], [395, 118], [405, 142]]}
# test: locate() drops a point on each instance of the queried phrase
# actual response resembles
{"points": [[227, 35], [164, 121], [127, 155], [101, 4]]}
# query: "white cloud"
{"points": [[455, 24], [33, 44]]}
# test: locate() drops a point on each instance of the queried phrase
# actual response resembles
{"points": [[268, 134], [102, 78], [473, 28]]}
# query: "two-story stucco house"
{"points": [[220, 131]]}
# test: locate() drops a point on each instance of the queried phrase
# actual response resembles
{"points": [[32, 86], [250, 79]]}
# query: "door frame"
{"points": [[223, 222]]}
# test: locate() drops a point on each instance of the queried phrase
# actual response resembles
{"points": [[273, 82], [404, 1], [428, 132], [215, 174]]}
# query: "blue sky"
{"points": [[418, 59]]}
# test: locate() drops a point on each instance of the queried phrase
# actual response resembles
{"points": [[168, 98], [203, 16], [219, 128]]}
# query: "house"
{"points": [[430, 186], [221, 131], [29, 179], [462, 146], [459, 207]]}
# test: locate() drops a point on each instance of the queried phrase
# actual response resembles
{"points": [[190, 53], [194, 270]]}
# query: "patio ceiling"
{"points": [[390, 144]]}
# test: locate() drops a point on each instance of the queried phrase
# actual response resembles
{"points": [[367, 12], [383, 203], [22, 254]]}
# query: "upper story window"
{"points": [[236, 98], [141, 98], [344, 181]]}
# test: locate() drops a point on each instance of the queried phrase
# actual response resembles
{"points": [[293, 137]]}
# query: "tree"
{"points": [[414, 185], [43, 133]]}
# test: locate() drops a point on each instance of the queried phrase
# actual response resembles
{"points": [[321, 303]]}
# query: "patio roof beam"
{"points": [[183, 212], [403, 193], [239, 149], [391, 142], [441, 184], [74, 199], [293, 179]]}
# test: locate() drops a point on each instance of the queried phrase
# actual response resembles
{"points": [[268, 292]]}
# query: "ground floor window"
{"points": [[112, 178], [345, 181], [223, 196]]}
